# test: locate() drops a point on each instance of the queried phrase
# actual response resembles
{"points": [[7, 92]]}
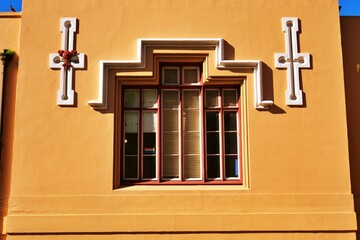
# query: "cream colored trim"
{"points": [[66, 94], [140, 63], [292, 60]]}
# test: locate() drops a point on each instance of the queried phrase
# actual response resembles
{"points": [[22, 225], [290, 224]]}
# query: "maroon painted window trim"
{"points": [[181, 131]]}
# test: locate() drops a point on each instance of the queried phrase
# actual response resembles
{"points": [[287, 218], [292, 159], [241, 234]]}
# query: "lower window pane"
{"points": [[149, 167], [131, 167], [213, 167], [212, 143], [231, 166], [230, 121], [149, 143], [212, 121], [171, 166], [191, 166], [230, 143], [131, 143]]}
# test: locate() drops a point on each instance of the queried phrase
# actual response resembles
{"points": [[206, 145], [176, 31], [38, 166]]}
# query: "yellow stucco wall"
{"points": [[62, 165]]}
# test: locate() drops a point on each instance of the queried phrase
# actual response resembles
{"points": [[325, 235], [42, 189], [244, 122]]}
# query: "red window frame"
{"points": [[221, 109]]}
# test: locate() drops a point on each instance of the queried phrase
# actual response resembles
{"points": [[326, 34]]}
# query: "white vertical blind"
{"points": [[191, 134], [171, 134]]}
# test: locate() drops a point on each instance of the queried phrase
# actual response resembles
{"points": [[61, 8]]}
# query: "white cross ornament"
{"points": [[67, 60], [292, 60]]}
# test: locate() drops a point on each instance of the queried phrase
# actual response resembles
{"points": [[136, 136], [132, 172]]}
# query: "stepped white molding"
{"points": [[195, 43]]}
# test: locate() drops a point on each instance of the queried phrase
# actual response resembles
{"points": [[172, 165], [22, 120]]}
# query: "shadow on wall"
{"points": [[350, 33], [10, 79]]}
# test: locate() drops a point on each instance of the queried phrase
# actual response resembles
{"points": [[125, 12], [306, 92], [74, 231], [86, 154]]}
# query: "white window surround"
{"points": [[139, 63]]}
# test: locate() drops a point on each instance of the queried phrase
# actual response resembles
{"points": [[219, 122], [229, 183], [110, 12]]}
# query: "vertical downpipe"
{"points": [[5, 57]]}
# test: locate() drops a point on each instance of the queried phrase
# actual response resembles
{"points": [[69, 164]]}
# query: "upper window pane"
{"points": [[131, 98], [149, 98], [131, 121], [170, 99], [171, 75], [191, 75], [149, 121], [212, 98], [230, 98]]}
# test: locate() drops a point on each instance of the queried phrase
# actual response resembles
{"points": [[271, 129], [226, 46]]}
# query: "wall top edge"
{"points": [[10, 14]]}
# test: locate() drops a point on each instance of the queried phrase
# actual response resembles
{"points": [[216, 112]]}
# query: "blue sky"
{"points": [[349, 7], [5, 5]]}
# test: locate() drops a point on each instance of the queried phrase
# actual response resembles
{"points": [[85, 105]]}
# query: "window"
{"points": [[180, 131]]}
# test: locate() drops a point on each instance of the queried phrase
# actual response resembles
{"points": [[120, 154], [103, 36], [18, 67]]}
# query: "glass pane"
{"points": [[230, 143], [131, 121], [191, 120], [191, 134], [149, 121], [170, 120], [149, 167], [170, 99], [170, 143], [171, 166], [131, 98], [191, 75], [149, 98], [191, 141], [131, 144], [212, 121], [191, 99], [171, 75], [212, 98], [149, 143], [230, 98], [231, 166], [131, 167], [212, 143], [230, 123], [213, 167], [191, 166]]}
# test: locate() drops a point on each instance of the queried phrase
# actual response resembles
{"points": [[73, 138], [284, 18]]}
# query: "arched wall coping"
{"points": [[140, 63]]}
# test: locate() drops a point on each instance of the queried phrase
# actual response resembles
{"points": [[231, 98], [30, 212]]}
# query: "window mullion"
{"points": [[202, 135], [239, 134], [181, 137], [140, 126], [158, 138], [221, 136]]}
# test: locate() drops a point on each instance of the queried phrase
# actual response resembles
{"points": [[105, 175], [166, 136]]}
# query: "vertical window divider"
{"points": [[239, 135], [221, 135], [141, 135], [181, 125], [181, 152], [158, 138], [202, 134]]}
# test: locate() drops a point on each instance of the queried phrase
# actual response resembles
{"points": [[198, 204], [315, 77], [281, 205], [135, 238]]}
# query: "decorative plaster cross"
{"points": [[292, 60], [67, 60]]}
